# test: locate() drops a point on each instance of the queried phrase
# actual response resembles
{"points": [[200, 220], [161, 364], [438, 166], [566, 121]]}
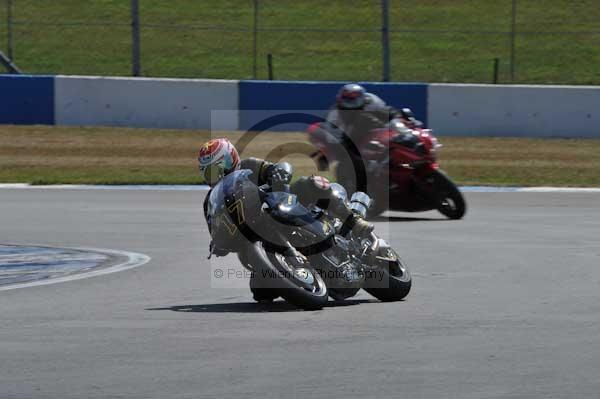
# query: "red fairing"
{"points": [[427, 139], [312, 128], [317, 140], [410, 153], [401, 153]]}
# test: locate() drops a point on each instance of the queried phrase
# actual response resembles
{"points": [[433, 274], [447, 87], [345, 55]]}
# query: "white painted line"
{"points": [[14, 185], [133, 260], [559, 190], [500, 189], [468, 189], [488, 189], [157, 187]]}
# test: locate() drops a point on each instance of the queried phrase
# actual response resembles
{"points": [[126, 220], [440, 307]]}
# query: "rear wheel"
{"points": [[449, 200], [391, 281], [300, 285]]}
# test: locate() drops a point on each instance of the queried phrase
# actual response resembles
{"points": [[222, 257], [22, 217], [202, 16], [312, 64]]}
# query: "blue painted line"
{"points": [[21, 264]]}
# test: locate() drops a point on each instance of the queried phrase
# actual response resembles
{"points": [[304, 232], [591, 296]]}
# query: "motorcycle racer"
{"points": [[357, 112], [217, 158]]}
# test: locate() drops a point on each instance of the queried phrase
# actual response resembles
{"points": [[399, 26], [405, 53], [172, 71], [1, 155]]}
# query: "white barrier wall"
{"points": [[451, 109], [514, 110], [141, 102]]}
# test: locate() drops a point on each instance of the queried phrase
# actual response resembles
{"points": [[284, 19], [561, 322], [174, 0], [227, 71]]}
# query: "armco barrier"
{"points": [[144, 102], [511, 110], [26, 100], [262, 99]]}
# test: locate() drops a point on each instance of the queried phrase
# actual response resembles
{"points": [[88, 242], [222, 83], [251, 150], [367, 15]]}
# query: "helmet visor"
{"points": [[212, 173], [352, 100]]}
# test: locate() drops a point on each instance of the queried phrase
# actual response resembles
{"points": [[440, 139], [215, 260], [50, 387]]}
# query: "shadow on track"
{"points": [[254, 307]]}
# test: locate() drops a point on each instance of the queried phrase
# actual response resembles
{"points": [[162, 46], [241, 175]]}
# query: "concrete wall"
{"points": [[27, 100], [511, 110], [451, 109], [263, 99], [141, 102]]}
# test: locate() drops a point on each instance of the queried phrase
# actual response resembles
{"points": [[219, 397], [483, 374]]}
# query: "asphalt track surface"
{"points": [[505, 304]]}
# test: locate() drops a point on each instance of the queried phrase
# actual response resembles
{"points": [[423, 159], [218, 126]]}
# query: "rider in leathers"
{"points": [[313, 190], [356, 113]]}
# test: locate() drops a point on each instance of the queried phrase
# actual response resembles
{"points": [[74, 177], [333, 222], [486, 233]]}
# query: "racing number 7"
{"points": [[236, 212]]}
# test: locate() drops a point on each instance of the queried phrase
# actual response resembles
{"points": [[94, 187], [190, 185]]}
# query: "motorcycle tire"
{"points": [[449, 200], [259, 293], [391, 282], [275, 274]]}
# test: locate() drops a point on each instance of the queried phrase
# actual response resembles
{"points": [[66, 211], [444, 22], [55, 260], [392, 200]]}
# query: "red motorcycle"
{"points": [[400, 165]]}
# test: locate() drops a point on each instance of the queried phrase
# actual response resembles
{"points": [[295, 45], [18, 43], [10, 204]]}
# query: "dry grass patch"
{"points": [[102, 155]]}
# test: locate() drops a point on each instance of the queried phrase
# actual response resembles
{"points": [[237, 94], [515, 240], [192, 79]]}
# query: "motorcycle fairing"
{"points": [[298, 224], [236, 216], [232, 210]]}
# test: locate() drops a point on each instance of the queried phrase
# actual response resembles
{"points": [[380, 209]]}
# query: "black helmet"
{"points": [[351, 96]]}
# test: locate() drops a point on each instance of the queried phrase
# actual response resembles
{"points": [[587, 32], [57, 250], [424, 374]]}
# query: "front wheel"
{"points": [[301, 286], [449, 200], [391, 281]]}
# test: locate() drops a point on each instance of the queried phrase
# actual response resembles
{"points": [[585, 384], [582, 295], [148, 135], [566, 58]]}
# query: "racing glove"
{"points": [[279, 175], [361, 227]]}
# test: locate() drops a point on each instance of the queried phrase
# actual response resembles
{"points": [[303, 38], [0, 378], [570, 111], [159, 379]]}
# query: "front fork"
{"points": [[377, 255]]}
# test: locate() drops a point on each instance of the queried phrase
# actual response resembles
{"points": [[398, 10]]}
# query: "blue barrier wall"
{"points": [[259, 100], [26, 100], [450, 109]]}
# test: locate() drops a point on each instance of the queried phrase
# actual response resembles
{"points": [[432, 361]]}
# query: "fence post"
{"points": [[9, 33], [135, 38], [385, 39], [496, 70], [254, 39], [270, 66], [513, 37]]}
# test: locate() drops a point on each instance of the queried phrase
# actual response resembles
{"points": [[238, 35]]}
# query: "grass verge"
{"points": [[102, 155], [430, 40]]}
